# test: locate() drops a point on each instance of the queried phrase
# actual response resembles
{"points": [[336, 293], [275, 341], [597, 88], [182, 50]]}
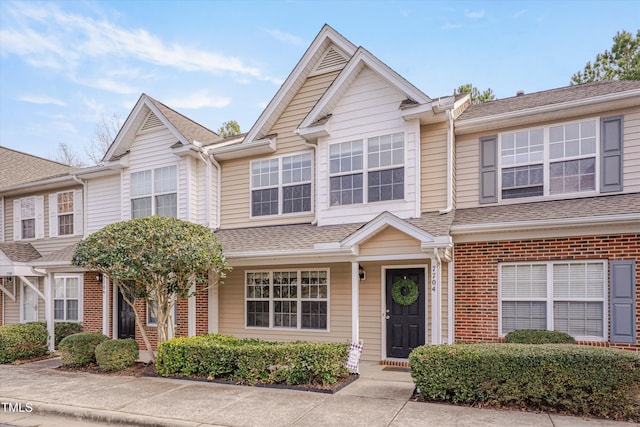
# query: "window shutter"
{"points": [[488, 169], [53, 215], [611, 131], [17, 227], [78, 218], [39, 217], [623, 301]]}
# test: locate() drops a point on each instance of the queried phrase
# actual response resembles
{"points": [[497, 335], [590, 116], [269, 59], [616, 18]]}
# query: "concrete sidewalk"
{"points": [[378, 398]]}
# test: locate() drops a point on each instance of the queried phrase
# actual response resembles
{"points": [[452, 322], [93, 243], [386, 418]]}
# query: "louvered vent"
{"points": [[151, 122], [331, 60]]}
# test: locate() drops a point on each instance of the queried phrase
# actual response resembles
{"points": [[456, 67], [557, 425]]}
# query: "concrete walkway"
{"points": [[378, 398]]}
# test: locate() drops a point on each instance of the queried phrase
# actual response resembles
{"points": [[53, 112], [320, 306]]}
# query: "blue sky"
{"points": [[65, 64]]}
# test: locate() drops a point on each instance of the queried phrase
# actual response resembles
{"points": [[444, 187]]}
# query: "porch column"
{"points": [[48, 310], [355, 303], [435, 283], [213, 305], [105, 305], [191, 312]]}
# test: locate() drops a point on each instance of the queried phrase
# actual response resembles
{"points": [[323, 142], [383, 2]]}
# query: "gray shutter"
{"points": [[623, 301], [489, 169], [611, 131]]}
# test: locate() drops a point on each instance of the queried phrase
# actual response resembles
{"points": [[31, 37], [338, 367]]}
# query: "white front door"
{"points": [[29, 304]]}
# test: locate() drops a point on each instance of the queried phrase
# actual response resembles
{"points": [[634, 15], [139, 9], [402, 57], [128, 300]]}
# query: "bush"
{"points": [[252, 361], [569, 378], [538, 336], [23, 341], [115, 355], [64, 329], [80, 349]]}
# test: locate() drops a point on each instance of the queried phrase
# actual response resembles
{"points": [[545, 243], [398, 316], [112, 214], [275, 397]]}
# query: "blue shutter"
{"points": [[623, 301], [488, 169], [611, 131]]}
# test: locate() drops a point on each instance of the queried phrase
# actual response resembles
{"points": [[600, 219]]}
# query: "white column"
{"points": [[105, 305], [355, 302], [191, 315], [213, 308], [48, 310], [435, 283]]}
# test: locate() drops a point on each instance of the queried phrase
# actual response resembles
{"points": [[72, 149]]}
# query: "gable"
{"points": [[390, 241]]}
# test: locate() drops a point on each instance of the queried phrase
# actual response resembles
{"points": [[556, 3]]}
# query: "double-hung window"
{"points": [[154, 191], [522, 164], [561, 296], [281, 185], [572, 157], [295, 299], [65, 213], [377, 166], [28, 217], [66, 302]]}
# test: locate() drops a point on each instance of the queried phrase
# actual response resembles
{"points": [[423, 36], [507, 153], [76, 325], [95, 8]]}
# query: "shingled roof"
{"points": [[548, 97], [18, 168], [19, 252]]}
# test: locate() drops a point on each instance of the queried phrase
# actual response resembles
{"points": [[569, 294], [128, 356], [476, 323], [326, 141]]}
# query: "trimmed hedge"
{"points": [[252, 361], [538, 336], [23, 341], [115, 355], [64, 329], [80, 349], [576, 379]]}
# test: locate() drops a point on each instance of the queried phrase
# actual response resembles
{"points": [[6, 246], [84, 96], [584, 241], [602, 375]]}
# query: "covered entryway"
{"points": [[405, 320], [126, 319]]}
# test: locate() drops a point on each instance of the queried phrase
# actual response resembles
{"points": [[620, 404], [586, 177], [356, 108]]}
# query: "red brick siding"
{"points": [[476, 276], [202, 310], [92, 311]]}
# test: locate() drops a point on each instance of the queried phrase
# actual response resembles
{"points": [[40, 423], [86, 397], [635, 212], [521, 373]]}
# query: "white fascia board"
{"points": [[262, 146], [105, 169], [386, 219], [302, 256], [44, 184], [631, 219], [311, 134], [167, 123], [470, 125]]}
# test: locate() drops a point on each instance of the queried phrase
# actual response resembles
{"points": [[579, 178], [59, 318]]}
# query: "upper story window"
{"points": [[65, 213], [154, 191], [377, 166], [28, 218], [554, 160], [281, 185]]}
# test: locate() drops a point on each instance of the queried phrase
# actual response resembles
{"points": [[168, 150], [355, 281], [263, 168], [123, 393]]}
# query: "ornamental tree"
{"points": [[158, 259]]}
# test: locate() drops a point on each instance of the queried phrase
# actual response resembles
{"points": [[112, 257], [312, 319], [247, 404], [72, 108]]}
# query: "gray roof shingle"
{"points": [[63, 255], [19, 252], [19, 168], [548, 97]]}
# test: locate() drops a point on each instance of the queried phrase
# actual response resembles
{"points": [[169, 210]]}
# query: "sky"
{"points": [[65, 65]]}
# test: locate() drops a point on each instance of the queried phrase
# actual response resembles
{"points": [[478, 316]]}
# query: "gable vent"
{"points": [[331, 60], [152, 121]]}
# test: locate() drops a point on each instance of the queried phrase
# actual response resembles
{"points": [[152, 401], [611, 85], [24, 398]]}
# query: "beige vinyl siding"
{"points": [[390, 242], [12, 309], [433, 161], [232, 307], [236, 191], [467, 157], [103, 202]]}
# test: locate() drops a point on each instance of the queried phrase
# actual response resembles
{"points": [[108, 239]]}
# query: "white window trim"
{"points": [[153, 192], [80, 278], [155, 324], [365, 169], [18, 214], [281, 185], [546, 161], [298, 299], [549, 299]]}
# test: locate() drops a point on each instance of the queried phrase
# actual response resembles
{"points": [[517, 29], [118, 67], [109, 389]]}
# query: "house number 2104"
{"points": [[434, 270]]}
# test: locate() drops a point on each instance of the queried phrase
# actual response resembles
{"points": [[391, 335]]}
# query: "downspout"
{"points": [[449, 208], [85, 204], [216, 225], [315, 183], [207, 189]]}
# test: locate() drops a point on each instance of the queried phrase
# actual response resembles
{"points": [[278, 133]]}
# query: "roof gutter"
{"points": [[85, 204]]}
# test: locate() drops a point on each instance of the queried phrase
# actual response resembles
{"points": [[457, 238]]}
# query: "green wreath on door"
{"points": [[405, 291]]}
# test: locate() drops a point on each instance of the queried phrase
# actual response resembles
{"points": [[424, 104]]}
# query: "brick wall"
{"points": [[92, 311], [476, 276]]}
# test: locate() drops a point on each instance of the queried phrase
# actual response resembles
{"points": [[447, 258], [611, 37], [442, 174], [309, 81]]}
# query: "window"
{"points": [[66, 302], [28, 217], [296, 299], [151, 319], [554, 160], [382, 157], [281, 185], [561, 296], [65, 213], [154, 192]]}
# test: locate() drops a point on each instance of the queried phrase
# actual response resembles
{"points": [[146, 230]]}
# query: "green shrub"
{"points": [[115, 355], [252, 361], [80, 349], [538, 336], [23, 341], [64, 329], [576, 379]]}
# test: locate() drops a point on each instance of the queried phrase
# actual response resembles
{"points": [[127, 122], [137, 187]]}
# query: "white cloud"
{"points": [[284, 37], [473, 14], [42, 99], [199, 99]]}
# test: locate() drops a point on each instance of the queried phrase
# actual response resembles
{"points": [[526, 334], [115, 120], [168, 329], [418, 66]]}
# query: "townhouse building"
{"points": [[358, 208]]}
